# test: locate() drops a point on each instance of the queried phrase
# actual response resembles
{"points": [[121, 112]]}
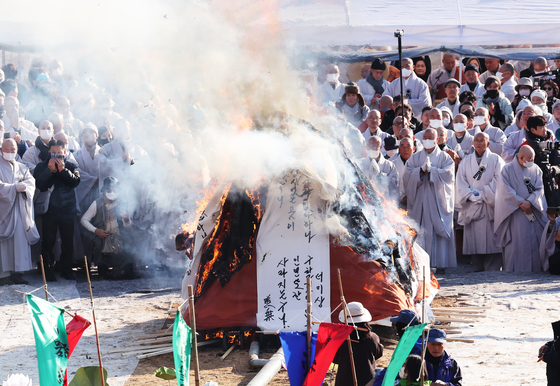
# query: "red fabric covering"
{"points": [[235, 304]]}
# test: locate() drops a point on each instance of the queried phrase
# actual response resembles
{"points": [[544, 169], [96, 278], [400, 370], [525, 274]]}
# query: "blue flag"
{"points": [[294, 345]]}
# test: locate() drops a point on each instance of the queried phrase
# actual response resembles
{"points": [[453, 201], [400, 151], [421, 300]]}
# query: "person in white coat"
{"points": [[382, 172], [414, 88], [406, 149], [475, 199], [332, 90], [373, 86], [471, 81], [451, 88], [88, 165], [482, 122], [507, 77], [461, 139]]}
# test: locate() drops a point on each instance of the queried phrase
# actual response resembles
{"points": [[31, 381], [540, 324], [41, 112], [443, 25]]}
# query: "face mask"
{"points": [[45, 134], [459, 127], [429, 143], [492, 93], [445, 122], [111, 196], [88, 138], [529, 164], [9, 156], [332, 78], [435, 123], [373, 153], [500, 75], [479, 120], [524, 92], [406, 72], [390, 153], [103, 141]]}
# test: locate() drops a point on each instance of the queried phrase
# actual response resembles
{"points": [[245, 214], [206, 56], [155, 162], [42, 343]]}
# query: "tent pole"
{"points": [[460, 69], [193, 329], [309, 324], [94, 323], [346, 322], [399, 34]]}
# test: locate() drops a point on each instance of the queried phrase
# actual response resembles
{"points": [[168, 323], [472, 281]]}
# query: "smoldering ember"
{"points": [[286, 193]]}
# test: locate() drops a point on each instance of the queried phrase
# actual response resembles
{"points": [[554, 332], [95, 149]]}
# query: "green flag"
{"points": [[182, 342], [409, 338], [51, 340]]}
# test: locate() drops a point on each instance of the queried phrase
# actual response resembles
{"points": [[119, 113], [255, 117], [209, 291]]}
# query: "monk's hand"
{"points": [[125, 216], [526, 207], [491, 109], [101, 233], [52, 165], [20, 186]]}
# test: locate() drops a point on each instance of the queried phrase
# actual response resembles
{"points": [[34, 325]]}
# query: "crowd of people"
{"points": [[473, 157], [65, 154]]}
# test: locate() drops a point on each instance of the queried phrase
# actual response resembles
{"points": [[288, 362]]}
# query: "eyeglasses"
{"points": [[547, 88]]}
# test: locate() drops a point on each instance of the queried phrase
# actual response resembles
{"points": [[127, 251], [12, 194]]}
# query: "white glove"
{"points": [[20, 187]]}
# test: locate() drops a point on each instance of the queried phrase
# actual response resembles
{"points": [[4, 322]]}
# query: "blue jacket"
{"points": [[448, 371]]}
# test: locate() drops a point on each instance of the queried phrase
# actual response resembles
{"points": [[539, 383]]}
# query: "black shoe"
{"points": [[17, 278], [68, 275], [49, 274], [6, 281]]}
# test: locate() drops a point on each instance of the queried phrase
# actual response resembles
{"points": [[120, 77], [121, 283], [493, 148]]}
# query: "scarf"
{"points": [[376, 84], [43, 149]]}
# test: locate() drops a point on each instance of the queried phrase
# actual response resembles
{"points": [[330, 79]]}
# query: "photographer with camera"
{"points": [[547, 157], [550, 354]]}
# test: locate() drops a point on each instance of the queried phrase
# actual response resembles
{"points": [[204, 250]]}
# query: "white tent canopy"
{"points": [[425, 22]]}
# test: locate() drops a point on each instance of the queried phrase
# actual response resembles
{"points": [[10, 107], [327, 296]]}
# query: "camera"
{"points": [[59, 156], [549, 145], [399, 33]]}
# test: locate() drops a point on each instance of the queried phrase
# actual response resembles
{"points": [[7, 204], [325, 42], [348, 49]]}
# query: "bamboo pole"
{"points": [[44, 278], [156, 335], [460, 340], [193, 329], [228, 351], [423, 331], [95, 323], [309, 325], [354, 378]]}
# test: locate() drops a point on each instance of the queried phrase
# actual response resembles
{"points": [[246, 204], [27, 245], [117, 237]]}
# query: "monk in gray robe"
{"points": [[414, 88], [17, 227], [429, 185], [482, 122], [461, 139], [520, 213], [383, 172], [475, 199], [88, 164]]}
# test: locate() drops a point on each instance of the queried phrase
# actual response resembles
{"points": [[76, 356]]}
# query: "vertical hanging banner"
{"points": [[51, 340], [182, 343], [292, 244]]}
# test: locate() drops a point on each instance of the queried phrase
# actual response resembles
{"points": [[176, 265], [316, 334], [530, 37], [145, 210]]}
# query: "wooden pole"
{"points": [[44, 278], [193, 330], [354, 378], [309, 324], [423, 332], [94, 323]]}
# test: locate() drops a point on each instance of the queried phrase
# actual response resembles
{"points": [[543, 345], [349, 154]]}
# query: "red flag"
{"points": [[329, 339], [74, 330]]}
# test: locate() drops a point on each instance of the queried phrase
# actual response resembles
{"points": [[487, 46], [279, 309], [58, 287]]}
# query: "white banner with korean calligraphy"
{"points": [[292, 245]]}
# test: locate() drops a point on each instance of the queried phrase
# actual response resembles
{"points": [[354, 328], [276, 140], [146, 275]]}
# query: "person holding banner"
{"points": [[365, 346]]}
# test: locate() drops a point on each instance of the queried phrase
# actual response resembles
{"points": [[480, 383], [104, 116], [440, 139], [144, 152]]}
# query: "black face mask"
{"points": [[442, 146], [103, 141], [492, 93]]}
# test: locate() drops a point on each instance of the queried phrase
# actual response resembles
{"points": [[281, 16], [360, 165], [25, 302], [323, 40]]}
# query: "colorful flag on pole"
{"points": [[329, 339], [182, 343], [74, 330], [409, 338], [294, 345], [51, 340]]}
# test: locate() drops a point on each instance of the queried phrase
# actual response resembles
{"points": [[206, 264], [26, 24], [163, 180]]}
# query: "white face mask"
{"points": [[373, 153], [332, 78], [111, 196], [529, 164], [435, 123], [445, 122], [9, 156], [500, 75], [46, 134], [524, 92], [390, 153], [459, 127], [406, 72], [429, 143], [479, 120]]}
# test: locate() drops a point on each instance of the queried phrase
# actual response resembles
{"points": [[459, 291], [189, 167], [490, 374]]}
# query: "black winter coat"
{"points": [[63, 197]]}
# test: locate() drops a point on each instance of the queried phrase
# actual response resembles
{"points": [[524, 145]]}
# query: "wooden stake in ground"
{"points": [[193, 331], [309, 330], [355, 379], [94, 323], [44, 278], [423, 331]]}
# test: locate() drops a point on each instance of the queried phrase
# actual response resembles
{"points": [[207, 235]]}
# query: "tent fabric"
{"points": [[425, 22]]}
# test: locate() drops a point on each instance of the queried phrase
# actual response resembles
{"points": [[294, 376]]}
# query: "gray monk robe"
{"points": [[88, 190], [430, 201], [17, 227], [476, 214], [516, 235]]}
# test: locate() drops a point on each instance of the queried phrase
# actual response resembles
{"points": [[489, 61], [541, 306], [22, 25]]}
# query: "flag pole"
{"points": [[94, 323], [423, 331], [344, 308], [309, 331], [194, 344], [44, 278]]}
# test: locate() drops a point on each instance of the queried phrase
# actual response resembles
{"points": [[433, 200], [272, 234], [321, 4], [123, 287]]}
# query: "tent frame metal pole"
{"points": [[399, 34]]}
